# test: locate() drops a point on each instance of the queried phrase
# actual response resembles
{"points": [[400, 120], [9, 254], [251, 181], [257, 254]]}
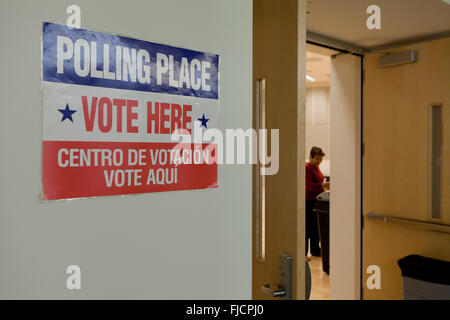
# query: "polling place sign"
{"points": [[110, 105]]}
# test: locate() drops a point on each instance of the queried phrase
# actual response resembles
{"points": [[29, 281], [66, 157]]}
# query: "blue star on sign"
{"points": [[203, 120], [67, 113]]}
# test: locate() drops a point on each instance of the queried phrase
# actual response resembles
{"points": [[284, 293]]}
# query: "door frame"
{"points": [[300, 125]]}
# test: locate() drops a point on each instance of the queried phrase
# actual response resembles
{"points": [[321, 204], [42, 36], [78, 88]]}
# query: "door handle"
{"points": [[284, 279], [270, 292]]}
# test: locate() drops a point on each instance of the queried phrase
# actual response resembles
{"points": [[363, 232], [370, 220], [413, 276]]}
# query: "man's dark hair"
{"points": [[316, 151]]}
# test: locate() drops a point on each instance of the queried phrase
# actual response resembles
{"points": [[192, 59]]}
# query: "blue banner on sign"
{"points": [[91, 58]]}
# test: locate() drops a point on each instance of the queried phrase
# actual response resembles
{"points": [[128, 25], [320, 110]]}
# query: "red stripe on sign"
{"points": [[72, 169]]}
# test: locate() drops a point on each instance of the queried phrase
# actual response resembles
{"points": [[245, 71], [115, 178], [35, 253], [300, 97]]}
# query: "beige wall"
{"points": [[318, 120], [396, 125]]}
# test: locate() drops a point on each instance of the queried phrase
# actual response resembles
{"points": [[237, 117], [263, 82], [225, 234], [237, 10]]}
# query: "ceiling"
{"points": [[401, 20], [318, 65]]}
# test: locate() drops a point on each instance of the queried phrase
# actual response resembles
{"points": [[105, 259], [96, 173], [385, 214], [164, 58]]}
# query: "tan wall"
{"points": [[396, 125], [318, 120]]}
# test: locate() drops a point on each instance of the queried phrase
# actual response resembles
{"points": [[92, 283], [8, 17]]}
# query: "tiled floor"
{"points": [[320, 281]]}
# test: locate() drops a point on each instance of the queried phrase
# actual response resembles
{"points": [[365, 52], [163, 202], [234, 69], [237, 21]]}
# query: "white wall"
{"points": [[174, 245], [318, 120]]}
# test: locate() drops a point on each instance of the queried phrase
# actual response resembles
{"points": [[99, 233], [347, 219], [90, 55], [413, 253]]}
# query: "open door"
{"points": [[345, 173], [279, 49]]}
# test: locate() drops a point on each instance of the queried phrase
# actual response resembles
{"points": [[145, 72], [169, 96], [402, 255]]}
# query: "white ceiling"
{"points": [[401, 20]]}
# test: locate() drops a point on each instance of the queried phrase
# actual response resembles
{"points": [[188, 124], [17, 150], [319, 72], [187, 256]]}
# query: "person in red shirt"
{"points": [[314, 186]]}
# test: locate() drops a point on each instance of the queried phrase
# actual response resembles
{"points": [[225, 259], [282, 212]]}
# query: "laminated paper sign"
{"points": [[110, 105]]}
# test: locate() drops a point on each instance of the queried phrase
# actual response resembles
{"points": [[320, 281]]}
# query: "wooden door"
{"points": [[398, 102], [279, 42], [345, 205]]}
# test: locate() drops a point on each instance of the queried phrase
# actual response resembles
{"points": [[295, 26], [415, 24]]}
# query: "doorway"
{"points": [[279, 69], [333, 123]]}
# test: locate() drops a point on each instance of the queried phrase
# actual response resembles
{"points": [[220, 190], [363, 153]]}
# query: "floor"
{"points": [[320, 281]]}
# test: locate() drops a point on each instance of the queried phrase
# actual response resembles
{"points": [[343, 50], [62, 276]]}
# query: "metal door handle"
{"points": [[284, 278], [270, 292]]}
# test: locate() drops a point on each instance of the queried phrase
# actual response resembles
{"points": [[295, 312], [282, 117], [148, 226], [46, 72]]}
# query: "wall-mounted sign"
{"points": [[110, 105]]}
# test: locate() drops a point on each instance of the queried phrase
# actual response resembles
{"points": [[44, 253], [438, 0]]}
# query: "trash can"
{"points": [[425, 278], [323, 220]]}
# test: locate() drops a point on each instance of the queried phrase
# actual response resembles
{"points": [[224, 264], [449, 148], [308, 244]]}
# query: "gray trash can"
{"points": [[425, 278]]}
